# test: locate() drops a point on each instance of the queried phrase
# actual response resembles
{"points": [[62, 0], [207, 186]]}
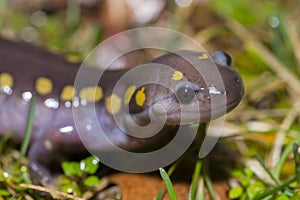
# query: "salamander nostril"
{"points": [[237, 80]]}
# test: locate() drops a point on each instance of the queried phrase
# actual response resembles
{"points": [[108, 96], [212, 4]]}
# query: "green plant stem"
{"points": [[168, 184], [260, 160], [208, 182], [29, 125], [296, 159], [200, 195], [6, 138], [160, 194], [196, 174], [283, 157]]}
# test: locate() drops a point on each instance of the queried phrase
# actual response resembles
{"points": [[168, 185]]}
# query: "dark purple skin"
{"points": [[27, 63]]}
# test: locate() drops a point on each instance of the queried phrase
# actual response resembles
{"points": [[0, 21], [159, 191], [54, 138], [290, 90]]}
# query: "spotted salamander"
{"points": [[26, 70]]}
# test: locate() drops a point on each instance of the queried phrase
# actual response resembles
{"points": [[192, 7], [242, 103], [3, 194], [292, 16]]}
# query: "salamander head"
{"points": [[195, 87]]}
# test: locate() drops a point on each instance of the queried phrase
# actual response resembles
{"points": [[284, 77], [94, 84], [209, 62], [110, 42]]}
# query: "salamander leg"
{"points": [[41, 158], [47, 153]]}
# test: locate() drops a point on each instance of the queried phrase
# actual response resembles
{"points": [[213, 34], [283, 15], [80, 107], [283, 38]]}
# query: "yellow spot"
{"points": [[6, 80], [43, 86], [68, 93], [128, 94], [177, 76], [73, 58], [91, 93], [48, 145], [113, 104], [140, 97], [203, 56]]}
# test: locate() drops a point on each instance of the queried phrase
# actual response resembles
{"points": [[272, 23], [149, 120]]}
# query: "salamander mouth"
{"points": [[173, 114], [190, 115]]}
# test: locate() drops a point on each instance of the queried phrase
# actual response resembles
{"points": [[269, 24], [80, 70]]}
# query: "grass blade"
{"points": [[29, 125], [196, 174], [274, 190], [6, 138], [260, 160], [296, 159], [200, 195], [168, 183], [210, 187], [160, 194], [283, 157]]}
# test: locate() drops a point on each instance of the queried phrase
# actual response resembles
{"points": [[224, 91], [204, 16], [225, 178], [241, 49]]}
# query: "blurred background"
{"points": [[262, 36]]}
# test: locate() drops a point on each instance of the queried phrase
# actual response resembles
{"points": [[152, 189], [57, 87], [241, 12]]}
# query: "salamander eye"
{"points": [[185, 91]]}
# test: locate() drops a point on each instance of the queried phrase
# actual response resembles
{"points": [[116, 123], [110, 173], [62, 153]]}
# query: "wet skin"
{"points": [[26, 70]]}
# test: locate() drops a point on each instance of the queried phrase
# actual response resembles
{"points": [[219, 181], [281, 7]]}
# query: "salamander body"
{"points": [[26, 71]]}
